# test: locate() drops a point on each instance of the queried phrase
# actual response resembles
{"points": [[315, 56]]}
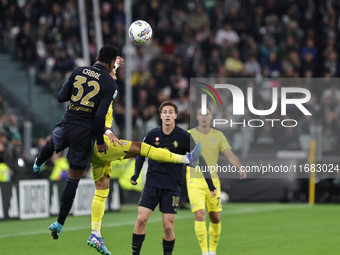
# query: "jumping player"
{"points": [[90, 91]]}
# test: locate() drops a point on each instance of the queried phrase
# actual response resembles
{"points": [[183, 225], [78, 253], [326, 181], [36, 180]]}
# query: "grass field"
{"points": [[247, 228]]}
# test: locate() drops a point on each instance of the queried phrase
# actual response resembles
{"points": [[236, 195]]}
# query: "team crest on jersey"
{"points": [[213, 140], [175, 143], [157, 140]]}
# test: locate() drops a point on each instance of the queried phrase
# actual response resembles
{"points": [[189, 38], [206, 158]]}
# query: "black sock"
{"points": [[45, 153], [137, 241], [168, 247], [67, 198]]}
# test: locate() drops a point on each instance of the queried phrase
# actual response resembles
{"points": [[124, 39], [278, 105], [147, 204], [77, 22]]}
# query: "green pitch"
{"points": [[247, 228]]}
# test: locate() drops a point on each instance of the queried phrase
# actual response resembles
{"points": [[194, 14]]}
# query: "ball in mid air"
{"points": [[140, 31]]}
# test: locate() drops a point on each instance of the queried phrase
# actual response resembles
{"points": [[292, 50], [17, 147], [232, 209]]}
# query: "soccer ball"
{"points": [[224, 197], [140, 31]]}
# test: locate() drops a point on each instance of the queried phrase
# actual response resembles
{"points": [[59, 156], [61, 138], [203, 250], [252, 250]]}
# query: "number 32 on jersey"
{"points": [[79, 85]]}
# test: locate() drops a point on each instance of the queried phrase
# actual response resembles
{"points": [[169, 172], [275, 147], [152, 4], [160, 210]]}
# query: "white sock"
{"points": [[185, 159], [205, 253], [212, 252], [96, 232]]}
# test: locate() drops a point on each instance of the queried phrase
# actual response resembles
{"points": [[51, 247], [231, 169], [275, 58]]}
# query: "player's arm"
{"points": [[203, 165], [107, 131], [65, 92], [138, 167], [233, 159], [99, 123], [140, 161]]}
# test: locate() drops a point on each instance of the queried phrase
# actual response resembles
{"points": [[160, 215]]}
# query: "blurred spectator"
{"points": [[253, 67], [233, 64], [24, 42], [198, 19], [226, 37], [140, 77], [15, 159], [309, 47], [273, 65], [63, 64], [60, 167], [13, 125]]}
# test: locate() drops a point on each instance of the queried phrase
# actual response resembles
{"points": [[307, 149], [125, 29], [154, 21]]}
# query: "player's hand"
{"points": [[119, 61], [134, 179], [114, 140], [102, 148], [113, 74], [213, 193], [242, 172]]}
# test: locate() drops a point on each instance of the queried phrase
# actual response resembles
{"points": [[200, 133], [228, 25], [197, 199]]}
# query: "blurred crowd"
{"points": [[193, 39]]}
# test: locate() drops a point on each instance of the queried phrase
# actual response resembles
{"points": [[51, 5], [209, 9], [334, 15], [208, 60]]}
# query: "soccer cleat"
{"points": [[36, 168], [194, 155], [97, 242], [205, 253], [212, 252], [55, 229]]}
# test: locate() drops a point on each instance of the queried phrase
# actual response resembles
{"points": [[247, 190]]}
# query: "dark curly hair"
{"points": [[107, 54]]}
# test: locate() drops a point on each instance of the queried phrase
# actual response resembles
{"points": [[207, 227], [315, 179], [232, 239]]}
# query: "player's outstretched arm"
{"points": [[99, 123], [138, 167], [206, 174], [233, 159]]}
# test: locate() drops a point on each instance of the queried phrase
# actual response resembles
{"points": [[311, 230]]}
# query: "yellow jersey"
{"points": [[213, 143], [109, 116]]}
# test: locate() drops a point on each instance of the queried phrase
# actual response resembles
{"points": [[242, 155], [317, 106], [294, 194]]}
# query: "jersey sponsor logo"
{"points": [[115, 94], [213, 140], [78, 108], [175, 143]]}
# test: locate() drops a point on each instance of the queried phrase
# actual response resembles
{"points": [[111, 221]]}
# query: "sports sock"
{"points": [[160, 154], [98, 209], [168, 247], [137, 241], [45, 153], [201, 233], [67, 198], [214, 235]]}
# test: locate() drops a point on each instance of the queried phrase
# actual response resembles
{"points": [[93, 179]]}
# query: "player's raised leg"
{"points": [[138, 235], [163, 155], [98, 208]]}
